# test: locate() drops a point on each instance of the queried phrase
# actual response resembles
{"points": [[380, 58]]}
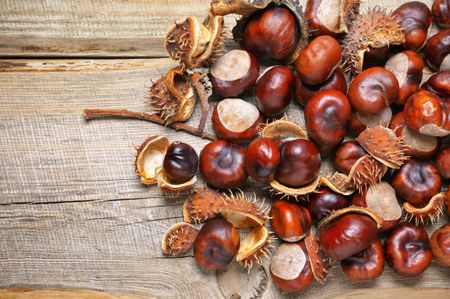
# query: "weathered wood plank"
{"points": [[115, 28]]}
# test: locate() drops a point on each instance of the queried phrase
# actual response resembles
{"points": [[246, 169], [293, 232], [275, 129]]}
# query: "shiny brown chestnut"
{"points": [[417, 181], [274, 90], [443, 162], [439, 84], [234, 73], [180, 162], [419, 145], [222, 164], [299, 163], [427, 114], [230, 124], [318, 60], [290, 267], [381, 199], [440, 245], [272, 33], [407, 67], [365, 265], [262, 159], [373, 90], [290, 221], [324, 201], [407, 250], [441, 12], [328, 17], [303, 92], [375, 57], [326, 117], [346, 156], [437, 51], [345, 235], [216, 245], [415, 18]]}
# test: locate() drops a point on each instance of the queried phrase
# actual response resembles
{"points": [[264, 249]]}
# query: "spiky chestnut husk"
{"points": [[246, 8], [373, 29], [201, 205], [154, 148], [429, 213], [351, 210], [194, 44], [242, 211], [282, 130], [172, 96], [339, 183], [178, 238], [302, 192], [257, 243], [172, 189], [384, 145], [366, 172], [320, 264]]}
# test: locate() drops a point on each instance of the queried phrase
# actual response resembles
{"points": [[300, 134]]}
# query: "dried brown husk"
{"points": [[195, 44], [170, 188], [384, 145], [373, 29], [178, 238], [431, 212], [201, 205], [366, 172], [242, 211], [256, 244], [320, 263], [295, 193], [172, 96], [339, 183], [246, 8], [283, 130], [153, 148]]}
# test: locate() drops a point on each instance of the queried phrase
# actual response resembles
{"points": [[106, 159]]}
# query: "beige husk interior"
{"points": [[381, 199]]}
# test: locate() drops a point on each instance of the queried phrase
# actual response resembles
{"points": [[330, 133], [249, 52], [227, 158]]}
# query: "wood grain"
{"points": [[73, 215]]}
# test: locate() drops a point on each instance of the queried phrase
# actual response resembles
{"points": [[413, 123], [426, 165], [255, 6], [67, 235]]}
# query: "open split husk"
{"points": [[178, 238]]}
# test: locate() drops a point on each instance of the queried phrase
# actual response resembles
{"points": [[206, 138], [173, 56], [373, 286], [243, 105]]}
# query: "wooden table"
{"points": [[73, 214]]}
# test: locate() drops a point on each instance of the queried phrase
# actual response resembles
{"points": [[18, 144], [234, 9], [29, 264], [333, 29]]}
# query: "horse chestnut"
{"points": [[365, 265], [346, 156], [318, 60], [230, 124], [415, 18], [272, 33], [222, 165], [439, 84], [262, 159], [324, 201], [233, 73], [408, 250], [441, 12], [303, 92], [347, 235], [274, 90], [216, 244], [326, 116], [440, 245], [407, 67], [290, 267], [437, 51], [443, 162], [180, 162], [290, 221], [373, 90], [417, 181], [427, 114], [299, 163]]}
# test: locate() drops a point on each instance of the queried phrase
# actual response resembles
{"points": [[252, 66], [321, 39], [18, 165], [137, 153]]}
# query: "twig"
{"points": [[201, 91], [124, 113]]}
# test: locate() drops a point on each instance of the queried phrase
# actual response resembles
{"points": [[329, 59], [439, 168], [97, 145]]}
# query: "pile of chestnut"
{"points": [[388, 91]]}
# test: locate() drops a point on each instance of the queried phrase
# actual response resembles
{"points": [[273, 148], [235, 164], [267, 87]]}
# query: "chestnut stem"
{"points": [[203, 100], [124, 113]]}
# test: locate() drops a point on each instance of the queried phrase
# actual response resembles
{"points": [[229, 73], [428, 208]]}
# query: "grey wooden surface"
{"points": [[72, 212]]}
